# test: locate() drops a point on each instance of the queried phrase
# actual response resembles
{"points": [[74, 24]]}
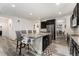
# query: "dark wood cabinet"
{"points": [[50, 21], [48, 38], [0, 33], [74, 48], [77, 10], [45, 42], [77, 50], [75, 17], [43, 24], [77, 13]]}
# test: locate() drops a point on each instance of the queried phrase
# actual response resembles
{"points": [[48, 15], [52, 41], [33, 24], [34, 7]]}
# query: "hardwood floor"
{"points": [[8, 48], [59, 47]]}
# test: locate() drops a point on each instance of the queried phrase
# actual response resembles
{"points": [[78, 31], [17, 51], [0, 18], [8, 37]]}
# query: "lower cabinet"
{"points": [[74, 48], [76, 51], [0, 33], [45, 42]]}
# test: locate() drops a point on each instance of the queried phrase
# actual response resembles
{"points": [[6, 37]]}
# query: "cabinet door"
{"points": [[50, 21], [0, 33], [43, 24], [74, 49], [75, 11], [78, 9], [75, 17], [45, 42], [76, 52]]}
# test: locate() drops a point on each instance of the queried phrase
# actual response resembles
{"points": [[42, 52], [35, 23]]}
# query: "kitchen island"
{"points": [[38, 42]]}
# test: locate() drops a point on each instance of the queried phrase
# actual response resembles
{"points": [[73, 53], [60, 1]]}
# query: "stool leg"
{"points": [[28, 47], [17, 46], [20, 48]]}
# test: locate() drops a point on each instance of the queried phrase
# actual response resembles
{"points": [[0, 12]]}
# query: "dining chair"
{"points": [[23, 32], [29, 31], [29, 43], [19, 39], [34, 31], [26, 41]]}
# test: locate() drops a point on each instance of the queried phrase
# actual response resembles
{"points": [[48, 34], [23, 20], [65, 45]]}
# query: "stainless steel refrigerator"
{"points": [[51, 29]]}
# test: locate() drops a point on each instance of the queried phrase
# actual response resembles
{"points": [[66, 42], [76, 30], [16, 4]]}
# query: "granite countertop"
{"points": [[36, 35], [76, 39]]}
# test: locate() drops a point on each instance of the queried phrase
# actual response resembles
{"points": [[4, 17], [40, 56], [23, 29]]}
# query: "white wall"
{"points": [[67, 22], [68, 28], [37, 26], [10, 25], [62, 22], [24, 24]]}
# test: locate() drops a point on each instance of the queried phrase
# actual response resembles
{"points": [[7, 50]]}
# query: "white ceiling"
{"points": [[38, 10]]}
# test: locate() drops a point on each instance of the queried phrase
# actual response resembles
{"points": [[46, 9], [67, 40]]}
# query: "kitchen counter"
{"points": [[35, 36], [37, 41], [74, 45], [76, 39]]}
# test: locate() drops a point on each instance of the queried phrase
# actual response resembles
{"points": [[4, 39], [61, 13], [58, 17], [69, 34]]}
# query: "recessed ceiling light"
{"points": [[13, 5], [59, 13], [30, 13], [57, 3]]}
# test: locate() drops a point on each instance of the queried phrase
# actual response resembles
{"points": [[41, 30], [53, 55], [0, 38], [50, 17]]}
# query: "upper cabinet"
{"points": [[47, 22], [43, 24], [75, 17]]}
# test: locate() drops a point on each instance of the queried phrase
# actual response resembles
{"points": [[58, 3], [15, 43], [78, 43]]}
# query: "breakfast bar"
{"points": [[36, 41]]}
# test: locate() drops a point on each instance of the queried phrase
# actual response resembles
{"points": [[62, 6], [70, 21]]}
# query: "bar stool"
{"points": [[19, 39], [29, 41]]}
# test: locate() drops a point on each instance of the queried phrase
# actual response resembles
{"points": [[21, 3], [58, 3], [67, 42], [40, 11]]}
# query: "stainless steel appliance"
{"points": [[50, 29]]}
